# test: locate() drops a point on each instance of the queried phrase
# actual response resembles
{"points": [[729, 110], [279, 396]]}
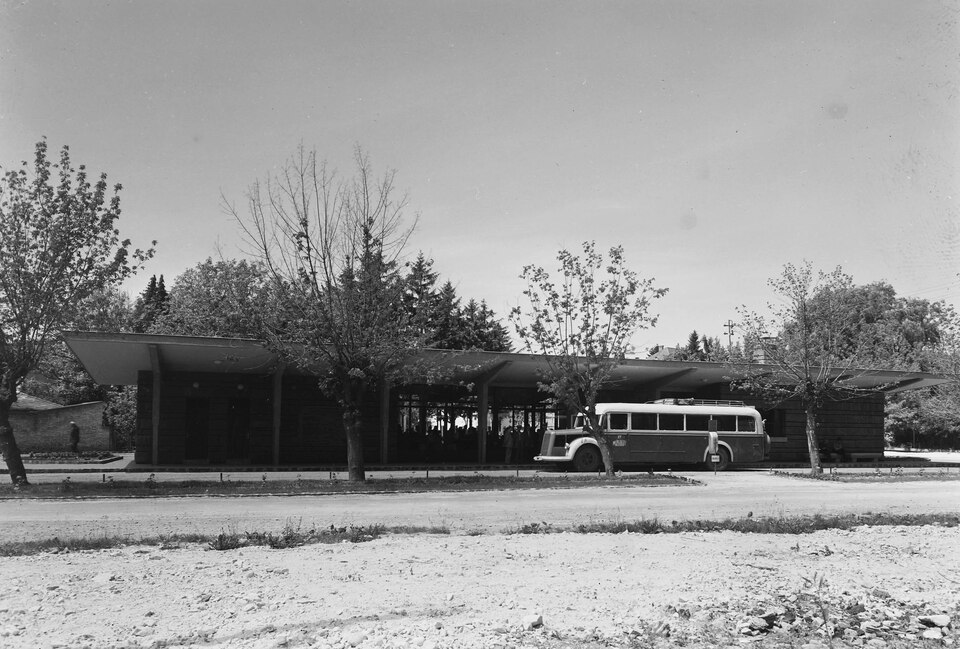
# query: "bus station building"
{"points": [[233, 402]]}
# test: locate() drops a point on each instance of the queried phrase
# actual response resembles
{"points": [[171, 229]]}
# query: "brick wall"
{"points": [[49, 430]]}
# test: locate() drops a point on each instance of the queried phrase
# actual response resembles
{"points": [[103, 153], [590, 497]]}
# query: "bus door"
{"points": [[617, 429], [643, 442]]}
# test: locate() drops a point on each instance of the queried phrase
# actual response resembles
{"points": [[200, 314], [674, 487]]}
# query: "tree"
{"points": [[332, 249], [445, 332], [228, 298], [59, 376], [809, 343], [582, 328], [151, 304], [700, 348], [58, 245]]}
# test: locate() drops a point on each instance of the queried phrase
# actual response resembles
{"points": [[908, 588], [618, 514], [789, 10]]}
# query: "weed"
{"points": [[151, 481], [227, 541], [534, 528], [815, 586], [66, 485]]}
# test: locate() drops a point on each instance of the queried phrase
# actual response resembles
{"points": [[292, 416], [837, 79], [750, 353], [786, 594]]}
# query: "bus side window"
{"points": [[671, 422], [644, 421], [617, 421], [698, 422], [746, 424], [725, 423]]}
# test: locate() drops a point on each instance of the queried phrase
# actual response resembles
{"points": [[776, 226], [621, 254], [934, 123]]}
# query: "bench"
{"points": [[856, 457]]}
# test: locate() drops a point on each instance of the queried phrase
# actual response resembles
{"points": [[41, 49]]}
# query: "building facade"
{"points": [[232, 402]]}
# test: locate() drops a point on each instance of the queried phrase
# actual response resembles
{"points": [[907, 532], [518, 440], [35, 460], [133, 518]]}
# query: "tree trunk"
{"points": [[352, 397], [9, 448], [604, 442], [812, 446]]}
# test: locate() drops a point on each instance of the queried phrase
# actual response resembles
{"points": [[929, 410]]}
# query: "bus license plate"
{"points": [[715, 459]]}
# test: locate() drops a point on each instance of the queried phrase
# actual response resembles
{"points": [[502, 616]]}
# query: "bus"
{"points": [[666, 431]]}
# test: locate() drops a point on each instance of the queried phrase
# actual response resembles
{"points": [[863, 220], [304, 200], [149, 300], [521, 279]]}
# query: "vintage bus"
{"points": [[663, 432]]}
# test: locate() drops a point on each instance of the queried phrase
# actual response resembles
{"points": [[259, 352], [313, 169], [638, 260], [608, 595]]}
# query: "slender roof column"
{"points": [[483, 404], [384, 422], [277, 402], [155, 411]]}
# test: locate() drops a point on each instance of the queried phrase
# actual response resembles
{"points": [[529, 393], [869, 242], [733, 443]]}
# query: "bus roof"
{"points": [[694, 409]]}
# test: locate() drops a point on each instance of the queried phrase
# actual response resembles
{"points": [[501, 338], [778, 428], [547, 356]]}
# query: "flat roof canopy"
{"points": [[117, 358]]}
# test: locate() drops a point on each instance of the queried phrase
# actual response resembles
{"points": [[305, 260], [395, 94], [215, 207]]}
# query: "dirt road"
{"points": [[720, 496]]}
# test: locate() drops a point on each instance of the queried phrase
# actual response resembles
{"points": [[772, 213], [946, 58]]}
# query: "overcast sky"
{"points": [[715, 140]]}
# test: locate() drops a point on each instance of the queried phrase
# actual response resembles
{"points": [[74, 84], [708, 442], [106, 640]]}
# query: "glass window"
{"points": [[725, 423], [644, 421], [617, 421], [698, 422], [671, 422], [746, 424]]}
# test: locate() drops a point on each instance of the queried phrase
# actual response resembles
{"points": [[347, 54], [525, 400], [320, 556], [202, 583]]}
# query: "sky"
{"points": [[714, 141]]}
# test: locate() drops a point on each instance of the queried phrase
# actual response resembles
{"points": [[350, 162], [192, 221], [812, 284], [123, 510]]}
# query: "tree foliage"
{"points": [[439, 316], [151, 305], [58, 245], [332, 249], [61, 378], [810, 343], [582, 325], [226, 298]]}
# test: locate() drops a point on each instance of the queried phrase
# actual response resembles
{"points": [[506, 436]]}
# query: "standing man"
{"points": [[74, 436], [508, 443]]}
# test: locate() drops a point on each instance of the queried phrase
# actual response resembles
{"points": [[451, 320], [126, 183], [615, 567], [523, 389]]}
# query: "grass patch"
{"points": [[292, 536], [750, 525], [884, 474], [150, 486], [66, 457], [289, 537]]}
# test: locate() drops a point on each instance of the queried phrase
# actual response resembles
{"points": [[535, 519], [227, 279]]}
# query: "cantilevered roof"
{"points": [[116, 358]]}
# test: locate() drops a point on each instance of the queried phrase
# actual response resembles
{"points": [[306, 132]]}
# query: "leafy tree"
{"points": [[120, 416], [809, 341], [58, 245], [582, 327], [332, 249], [60, 377], [890, 331], [227, 298], [902, 333]]}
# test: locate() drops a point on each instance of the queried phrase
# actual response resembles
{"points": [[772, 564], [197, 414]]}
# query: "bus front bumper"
{"points": [[551, 458]]}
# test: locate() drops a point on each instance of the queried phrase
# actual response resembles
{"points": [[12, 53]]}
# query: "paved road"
{"points": [[723, 495]]}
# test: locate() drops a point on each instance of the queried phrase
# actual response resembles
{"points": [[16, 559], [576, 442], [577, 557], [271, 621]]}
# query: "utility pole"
{"points": [[728, 325]]}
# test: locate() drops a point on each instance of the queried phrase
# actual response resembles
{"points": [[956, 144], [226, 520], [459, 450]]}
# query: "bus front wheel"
{"points": [[723, 464], [587, 459]]}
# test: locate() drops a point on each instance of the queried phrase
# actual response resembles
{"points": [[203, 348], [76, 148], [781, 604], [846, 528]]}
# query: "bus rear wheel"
{"points": [[723, 464], [587, 459]]}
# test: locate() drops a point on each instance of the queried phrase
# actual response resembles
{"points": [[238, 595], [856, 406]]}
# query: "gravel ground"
{"points": [[878, 586]]}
